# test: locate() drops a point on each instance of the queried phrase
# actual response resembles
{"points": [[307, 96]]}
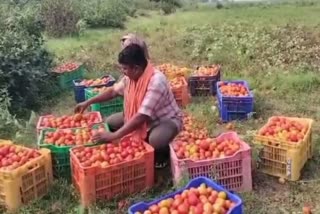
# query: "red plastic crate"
{"points": [[97, 183], [233, 173], [181, 94], [39, 127]]}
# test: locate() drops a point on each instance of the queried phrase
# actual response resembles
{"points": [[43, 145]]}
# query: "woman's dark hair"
{"points": [[133, 55]]}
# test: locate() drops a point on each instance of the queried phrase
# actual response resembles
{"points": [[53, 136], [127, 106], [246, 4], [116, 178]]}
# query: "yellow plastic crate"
{"points": [[282, 158], [26, 183]]}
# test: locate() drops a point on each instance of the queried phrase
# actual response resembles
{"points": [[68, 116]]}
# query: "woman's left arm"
{"points": [[134, 123]]}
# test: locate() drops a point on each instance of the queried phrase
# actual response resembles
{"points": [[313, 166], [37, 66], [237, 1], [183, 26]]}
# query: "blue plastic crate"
{"points": [[203, 85], [238, 209], [79, 93], [235, 108]]}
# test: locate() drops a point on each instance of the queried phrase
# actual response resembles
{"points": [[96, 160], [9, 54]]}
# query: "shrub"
{"points": [[8, 123], [168, 6], [106, 13], [60, 17], [25, 63]]}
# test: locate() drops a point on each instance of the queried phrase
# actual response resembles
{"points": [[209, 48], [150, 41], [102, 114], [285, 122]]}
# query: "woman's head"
{"points": [[134, 39], [133, 61]]}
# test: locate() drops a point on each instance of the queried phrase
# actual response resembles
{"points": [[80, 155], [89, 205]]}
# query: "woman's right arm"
{"points": [[112, 92]]}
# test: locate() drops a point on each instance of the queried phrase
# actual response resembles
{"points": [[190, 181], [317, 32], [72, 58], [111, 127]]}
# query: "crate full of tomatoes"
{"points": [[68, 72], [59, 141], [114, 169], [25, 174], [286, 146], [235, 100], [105, 108], [201, 195], [80, 85], [179, 88], [203, 81], [68, 121], [225, 159], [173, 71]]}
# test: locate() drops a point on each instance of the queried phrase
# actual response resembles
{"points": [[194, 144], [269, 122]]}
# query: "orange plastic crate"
{"points": [[233, 173], [97, 183], [26, 183], [282, 158], [181, 94]]}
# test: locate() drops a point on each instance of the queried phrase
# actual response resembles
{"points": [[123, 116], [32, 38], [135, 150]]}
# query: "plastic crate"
{"points": [[196, 182], [79, 93], [65, 80], [235, 108], [26, 183], [97, 183], [39, 127], [204, 85], [60, 155], [106, 108], [233, 173], [284, 159], [181, 94]]}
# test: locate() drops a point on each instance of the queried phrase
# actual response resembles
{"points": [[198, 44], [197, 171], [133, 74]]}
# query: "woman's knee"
{"points": [[161, 135]]}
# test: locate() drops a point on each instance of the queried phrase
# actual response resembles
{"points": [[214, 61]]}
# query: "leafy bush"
{"points": [[106, 13], [25, 63], [168, 6], [60, 17], [8, 123]]}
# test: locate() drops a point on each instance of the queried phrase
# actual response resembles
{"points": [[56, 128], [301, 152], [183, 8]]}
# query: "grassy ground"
{"points": [[287, 83]]}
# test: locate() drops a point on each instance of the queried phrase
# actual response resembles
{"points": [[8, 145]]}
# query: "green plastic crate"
{"points": [[106, 108], [60, 154], [65, 80]]}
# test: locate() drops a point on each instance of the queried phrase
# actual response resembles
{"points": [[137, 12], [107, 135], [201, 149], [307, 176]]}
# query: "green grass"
{"points": [[287, 88]]}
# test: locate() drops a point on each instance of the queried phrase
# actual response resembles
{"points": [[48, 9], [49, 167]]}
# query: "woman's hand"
{"points": [[104, 137], [81, 107]]}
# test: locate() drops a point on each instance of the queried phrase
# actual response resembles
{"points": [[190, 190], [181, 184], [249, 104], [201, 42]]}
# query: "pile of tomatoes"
{"points": [[207, 70], [12, 156], [69, 137], [200, 200], [109, 154], [193, 143], [233, 89], [284, 129], [178, 82], [72, 121], [91, 83], [172, 71], [100, 89], [67, 67]]}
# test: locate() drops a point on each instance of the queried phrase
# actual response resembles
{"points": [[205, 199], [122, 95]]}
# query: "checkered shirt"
{"points": [[159, 103]]}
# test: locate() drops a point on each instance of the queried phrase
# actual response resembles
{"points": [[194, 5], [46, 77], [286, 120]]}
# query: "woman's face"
{"points": [[133, 72]]}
